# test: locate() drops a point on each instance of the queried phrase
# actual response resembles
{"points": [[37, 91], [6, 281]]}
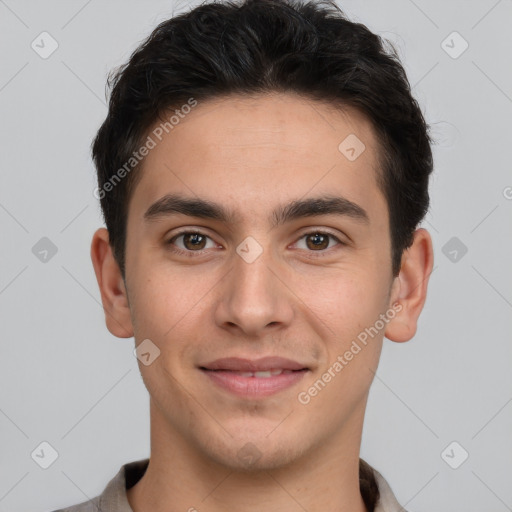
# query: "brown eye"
{"points": [[188, 242], [193, 241], [317, 241]]}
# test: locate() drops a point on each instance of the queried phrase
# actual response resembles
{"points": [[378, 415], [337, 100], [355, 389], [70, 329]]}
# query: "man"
{"points": [[262, 172]]}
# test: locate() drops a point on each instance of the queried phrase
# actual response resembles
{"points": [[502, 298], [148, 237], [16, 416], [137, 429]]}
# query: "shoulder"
{"points": [[387, 500], [113, 498]]}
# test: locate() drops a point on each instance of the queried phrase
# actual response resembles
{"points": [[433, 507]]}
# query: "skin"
{"points": [[252, 155]]}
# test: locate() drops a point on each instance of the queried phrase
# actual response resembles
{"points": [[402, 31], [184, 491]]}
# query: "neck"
{"points": [[179, 478]]}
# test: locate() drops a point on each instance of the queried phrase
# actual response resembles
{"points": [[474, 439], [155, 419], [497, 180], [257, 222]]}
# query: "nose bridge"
{"points": [[253, 297]]}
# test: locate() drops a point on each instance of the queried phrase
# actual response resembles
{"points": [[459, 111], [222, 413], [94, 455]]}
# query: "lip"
{"points": [[253, 387], [254, 365], [226, 373]]}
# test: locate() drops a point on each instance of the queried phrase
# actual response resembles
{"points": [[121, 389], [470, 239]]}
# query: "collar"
{"points": [[113, 498]]}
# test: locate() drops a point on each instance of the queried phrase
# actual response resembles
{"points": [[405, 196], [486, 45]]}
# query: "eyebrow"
{"points": [[173, 204]]}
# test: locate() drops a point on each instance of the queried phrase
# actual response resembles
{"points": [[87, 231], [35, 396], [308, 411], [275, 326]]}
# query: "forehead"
{"points": [[256, 151]]}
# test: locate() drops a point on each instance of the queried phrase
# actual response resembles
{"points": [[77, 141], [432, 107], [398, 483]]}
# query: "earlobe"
{"points": [[410, 287], [112, 288]]}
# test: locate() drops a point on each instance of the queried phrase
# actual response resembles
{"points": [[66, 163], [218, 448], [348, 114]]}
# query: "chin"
{"points": [[256, 454]]}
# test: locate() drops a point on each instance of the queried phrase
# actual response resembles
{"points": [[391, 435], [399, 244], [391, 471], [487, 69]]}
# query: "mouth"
{"points": [[254, 378], [264, 374]]}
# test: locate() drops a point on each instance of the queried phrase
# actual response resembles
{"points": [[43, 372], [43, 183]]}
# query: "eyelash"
{"points": [[193, 254]]}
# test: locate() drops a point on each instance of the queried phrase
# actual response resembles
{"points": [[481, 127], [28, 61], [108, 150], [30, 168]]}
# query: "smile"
{"points": [[258, 384]]}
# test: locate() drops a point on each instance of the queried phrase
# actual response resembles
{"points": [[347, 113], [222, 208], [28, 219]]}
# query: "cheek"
{"points": [[162, 296], [350, 307], [349, 303], [168, 309], [345, 299]]}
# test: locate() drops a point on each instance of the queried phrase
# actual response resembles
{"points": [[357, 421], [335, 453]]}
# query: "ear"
{"points": [[410, 287], [112, 286]]}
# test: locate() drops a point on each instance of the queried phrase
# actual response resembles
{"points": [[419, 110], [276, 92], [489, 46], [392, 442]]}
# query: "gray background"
{"points": [[65, 380]]}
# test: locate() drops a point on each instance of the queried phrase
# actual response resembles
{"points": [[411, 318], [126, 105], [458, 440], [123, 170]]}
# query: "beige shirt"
{"points": [[113, 498]]}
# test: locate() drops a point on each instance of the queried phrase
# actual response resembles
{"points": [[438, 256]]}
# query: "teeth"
{"points": [[264, 374]]}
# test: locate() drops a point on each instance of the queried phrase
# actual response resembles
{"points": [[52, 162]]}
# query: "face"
{"points": [[260, 271]]}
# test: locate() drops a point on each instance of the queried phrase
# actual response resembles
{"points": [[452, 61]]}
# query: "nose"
{"points": [[253, 299]]}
